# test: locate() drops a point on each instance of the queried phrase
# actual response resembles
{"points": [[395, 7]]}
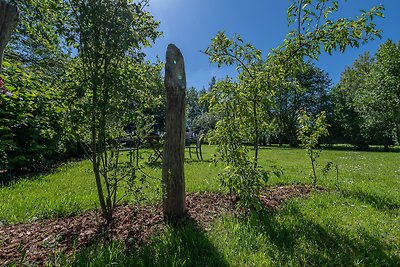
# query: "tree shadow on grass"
{"points": [[8, 179], [304, 242], [183, 245], [378, 148], [153, 164], [195, 161], [380, 203]]}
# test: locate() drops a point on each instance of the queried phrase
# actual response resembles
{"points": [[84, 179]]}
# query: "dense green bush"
{"points": [[31, 119]]}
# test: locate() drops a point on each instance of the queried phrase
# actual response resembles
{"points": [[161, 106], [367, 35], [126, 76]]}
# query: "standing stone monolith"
{"points": [[9, 17], [173, 176]]}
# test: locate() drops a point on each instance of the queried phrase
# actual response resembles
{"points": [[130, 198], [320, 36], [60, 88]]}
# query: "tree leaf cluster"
{"points": [[245, 105], [62, 51], [310, 132], [367, 99], [113, 79], [31, 120]]}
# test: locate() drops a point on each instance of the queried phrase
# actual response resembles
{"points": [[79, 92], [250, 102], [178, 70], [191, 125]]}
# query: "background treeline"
{"points": [[363, 109], [47, 117]]}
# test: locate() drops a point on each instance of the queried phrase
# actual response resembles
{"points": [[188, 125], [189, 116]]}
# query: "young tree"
{"points": [[310, 133], [108, 35], [239, 176], [313, 31], [247, 59]]}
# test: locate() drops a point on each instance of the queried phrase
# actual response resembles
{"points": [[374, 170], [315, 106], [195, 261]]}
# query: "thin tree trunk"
{"points": [[95, 159], [173, 177], [256, 133], [313, 169]]}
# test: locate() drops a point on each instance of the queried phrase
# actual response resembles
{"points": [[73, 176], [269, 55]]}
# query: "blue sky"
{"points": [[191, 24]]}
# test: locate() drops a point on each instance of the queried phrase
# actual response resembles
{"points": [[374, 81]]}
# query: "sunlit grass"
{"points": [[71, 189], [355, 222]]}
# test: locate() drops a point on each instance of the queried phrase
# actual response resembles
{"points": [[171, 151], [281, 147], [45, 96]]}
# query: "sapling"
{"points": [[309, 133]]}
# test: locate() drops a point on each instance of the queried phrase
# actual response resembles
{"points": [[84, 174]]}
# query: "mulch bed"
{"points": [[272, 198], [133, 225]]}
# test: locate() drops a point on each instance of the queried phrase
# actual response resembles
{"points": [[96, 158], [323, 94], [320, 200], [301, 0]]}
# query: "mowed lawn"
{"points": [[355, 222]]}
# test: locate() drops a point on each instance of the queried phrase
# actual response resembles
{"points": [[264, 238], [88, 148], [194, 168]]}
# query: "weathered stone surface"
{"points": [[173, 176], [9, 17]]}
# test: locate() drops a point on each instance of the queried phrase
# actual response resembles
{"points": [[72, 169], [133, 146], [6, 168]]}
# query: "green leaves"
{"points": [[382, 94], [234, 51], [245, 105], [314, 29], [367, 98], [38, 39], [310, 133], [310, 130], [30, 120], [114, 81]]}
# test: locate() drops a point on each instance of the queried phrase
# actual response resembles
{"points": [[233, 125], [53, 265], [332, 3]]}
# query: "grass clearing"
{"points": [[355, 223]]}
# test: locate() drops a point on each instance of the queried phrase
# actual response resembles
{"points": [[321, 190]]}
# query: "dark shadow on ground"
{"points": [[11, 177], [380, 203], [331, 147], [182, 245], [367, 149], [154, 164], [324, 246], [194, 161]]}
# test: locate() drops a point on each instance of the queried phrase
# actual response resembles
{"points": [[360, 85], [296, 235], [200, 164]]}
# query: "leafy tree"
{"points": [[192, 107], [315, 85], [38, 40], [31, 124], [348, 117], [313, 31], [34, 118], [108, 36], [366, 99], [310, 132], [380, 103], [204, 105], [310, 94], [206, 121]]}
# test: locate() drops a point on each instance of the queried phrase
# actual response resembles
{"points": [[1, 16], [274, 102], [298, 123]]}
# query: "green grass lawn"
{"points": [[356, 222]]}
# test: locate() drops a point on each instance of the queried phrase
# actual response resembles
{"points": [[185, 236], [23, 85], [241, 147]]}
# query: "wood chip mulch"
{"points": [[132, 225], [272, 198]]}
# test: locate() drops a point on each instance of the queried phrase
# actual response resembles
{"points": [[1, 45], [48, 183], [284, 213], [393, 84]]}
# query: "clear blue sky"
{"points": [[190, 24]]}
